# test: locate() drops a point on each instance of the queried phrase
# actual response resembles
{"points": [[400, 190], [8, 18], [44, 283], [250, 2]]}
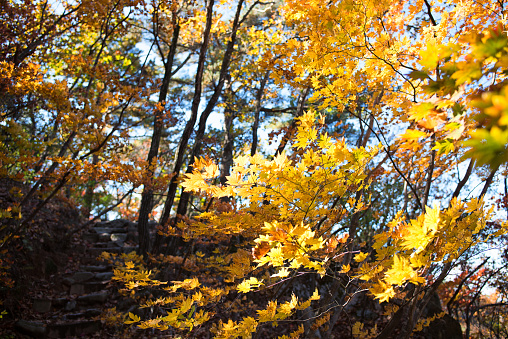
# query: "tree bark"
{"points": [[196, 150], [291, 130], [184, 140], [255, 125], [158, 126], [228, 144], [90, 187]]}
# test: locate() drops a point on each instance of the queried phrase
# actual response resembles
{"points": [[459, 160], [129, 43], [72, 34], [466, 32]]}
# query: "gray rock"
{"points": [[41, 305], [71, 305], [89, 313], [96, 268], [82, 276], [103, 276], [68, 281], [94, 298], [118, 237], [91, 237], [34, 328], [77, 289]]}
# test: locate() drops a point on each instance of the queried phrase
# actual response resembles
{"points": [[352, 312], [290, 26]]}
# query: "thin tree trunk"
{"points": [[462, 182], [184, 140], [488, 182], [196, 150], [158, 126], [430, 173], [255, 125], [291, 130], [90, 187], [228, 144], [506, 195]]}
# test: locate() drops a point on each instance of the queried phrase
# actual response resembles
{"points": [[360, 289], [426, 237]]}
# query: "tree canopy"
{"points": [[307, 163]]}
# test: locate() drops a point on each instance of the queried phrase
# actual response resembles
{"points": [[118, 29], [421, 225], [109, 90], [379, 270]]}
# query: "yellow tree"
{"points": [[67, 92], [414, 76]]}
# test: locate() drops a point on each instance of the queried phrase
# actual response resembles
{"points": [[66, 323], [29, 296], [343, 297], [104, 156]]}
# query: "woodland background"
{"points": [[296, 168]]}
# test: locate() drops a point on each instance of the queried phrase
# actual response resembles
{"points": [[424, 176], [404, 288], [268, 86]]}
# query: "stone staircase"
{"points": [[76, 309]]}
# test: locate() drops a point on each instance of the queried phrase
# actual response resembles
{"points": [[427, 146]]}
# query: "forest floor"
{"points": [[51, 284]]}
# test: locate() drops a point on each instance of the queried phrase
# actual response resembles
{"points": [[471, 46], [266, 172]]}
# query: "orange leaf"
{"points": [[260, 250]]}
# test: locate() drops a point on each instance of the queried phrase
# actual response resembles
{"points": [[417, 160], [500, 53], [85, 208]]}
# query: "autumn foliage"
{"points": [[316, 169]]}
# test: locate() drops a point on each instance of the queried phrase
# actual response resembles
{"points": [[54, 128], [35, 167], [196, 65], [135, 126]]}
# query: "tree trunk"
{"points": [[255, 125], [90, 187], [291, 130], [228, 144], [196, 150], [189, 126], [147, 195]]}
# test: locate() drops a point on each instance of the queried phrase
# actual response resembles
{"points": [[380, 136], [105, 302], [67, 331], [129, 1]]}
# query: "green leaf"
{"points": [[488, 147], [468, 73], [418, 75], [491, 47], [444, 146]]}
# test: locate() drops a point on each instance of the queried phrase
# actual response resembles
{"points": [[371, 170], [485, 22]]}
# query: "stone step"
{"points": [[118, 223], [94, 298], [128, 249], [107, 244], [80, 277], [118, 237], [109, 230], [35, 329], [104, 276], [88, 313], [96, 268], [88, 287], [96, 251], [91, 237], [43, 305], [74, 328]]}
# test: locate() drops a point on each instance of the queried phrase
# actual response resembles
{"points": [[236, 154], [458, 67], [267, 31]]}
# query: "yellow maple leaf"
{"points": [[247, 285], [412, 135], [288, 307], [361, 257], [401, 271], [315, 295], [382, 291], [416, 236], [268, 314], [345, 268], [133, 319], [282, 273]]}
